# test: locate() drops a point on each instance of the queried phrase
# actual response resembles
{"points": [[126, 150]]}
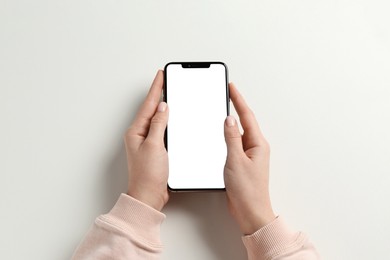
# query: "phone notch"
{"points": [[196, 65]]}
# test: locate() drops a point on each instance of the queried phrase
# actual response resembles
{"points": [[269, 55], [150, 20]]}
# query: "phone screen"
{"points": [[198, 100]]}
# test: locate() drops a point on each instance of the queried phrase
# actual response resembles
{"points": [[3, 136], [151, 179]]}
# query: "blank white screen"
{"points": [[197, 109]]}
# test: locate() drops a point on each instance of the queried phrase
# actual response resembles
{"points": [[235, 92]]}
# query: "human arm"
{"points": [[246, 179], [131, 230]]}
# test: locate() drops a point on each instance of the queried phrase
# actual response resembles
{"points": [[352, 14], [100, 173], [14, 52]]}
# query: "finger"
{"points": [[252, 134], [140, 125], [158, 124], [232, 136]]}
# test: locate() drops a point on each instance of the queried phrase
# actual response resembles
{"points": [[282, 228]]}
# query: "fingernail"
{"points": [[161, 107], [230, 121]]}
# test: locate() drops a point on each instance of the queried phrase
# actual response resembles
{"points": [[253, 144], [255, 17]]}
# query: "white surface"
{"points": [[197, 110], [316, 73]]}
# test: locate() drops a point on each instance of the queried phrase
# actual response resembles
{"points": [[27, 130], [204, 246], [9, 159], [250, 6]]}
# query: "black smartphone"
{"points": [[197, 94]]}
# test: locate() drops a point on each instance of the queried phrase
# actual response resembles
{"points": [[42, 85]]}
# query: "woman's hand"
{"points": [[147, 157], [247, 169]]}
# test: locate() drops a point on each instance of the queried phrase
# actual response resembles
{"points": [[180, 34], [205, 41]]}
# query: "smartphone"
{"points": [[197, 94]]}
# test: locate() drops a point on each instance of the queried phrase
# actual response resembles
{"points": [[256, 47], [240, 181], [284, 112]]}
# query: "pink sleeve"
{"points": [[131, 230], [277, 241]]}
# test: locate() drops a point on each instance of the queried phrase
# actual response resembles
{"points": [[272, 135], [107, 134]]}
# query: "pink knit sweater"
{"points": [[131, 230]]}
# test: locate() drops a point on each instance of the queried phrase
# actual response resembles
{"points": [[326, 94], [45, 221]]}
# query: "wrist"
{"points": [[253, 222], [156, 202]]}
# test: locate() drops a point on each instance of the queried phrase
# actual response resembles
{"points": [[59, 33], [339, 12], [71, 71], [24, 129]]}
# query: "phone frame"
{"points": [[194, 65]]}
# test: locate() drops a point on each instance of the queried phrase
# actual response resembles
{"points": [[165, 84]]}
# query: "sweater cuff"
{"points": [[272, 239], [136, 220]]}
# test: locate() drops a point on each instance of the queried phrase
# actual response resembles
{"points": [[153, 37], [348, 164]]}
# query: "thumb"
{"points": [[158, 123], [233, 137]]}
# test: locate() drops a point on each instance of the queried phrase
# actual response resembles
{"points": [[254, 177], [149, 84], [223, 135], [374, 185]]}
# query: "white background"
{"points": [[73, 73]]}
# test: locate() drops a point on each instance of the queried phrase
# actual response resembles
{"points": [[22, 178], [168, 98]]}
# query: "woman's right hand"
{"points": [[246, 171]]}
